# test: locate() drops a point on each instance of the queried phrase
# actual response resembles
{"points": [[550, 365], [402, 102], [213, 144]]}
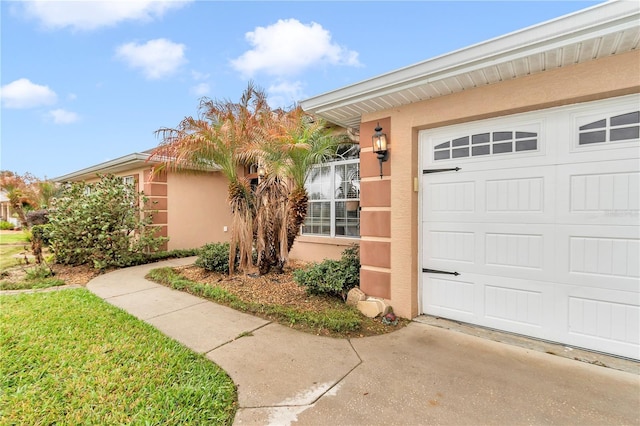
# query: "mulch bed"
{"points": [[281, 289]]}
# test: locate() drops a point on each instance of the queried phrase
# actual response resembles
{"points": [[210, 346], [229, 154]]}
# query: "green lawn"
{"points": [[12, 243], [68, 357], [13, 238], [7, 259]]}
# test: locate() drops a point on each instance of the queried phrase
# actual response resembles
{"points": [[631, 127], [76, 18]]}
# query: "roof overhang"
{"points": [[607, 29], [118, 165], [137, 160]]}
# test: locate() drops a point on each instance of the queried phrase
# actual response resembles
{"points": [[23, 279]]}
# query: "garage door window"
{"points": [[621, 127], [499, 142]]}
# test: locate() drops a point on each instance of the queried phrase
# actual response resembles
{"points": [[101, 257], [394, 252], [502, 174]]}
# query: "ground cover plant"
{"points": [[70, 358]]}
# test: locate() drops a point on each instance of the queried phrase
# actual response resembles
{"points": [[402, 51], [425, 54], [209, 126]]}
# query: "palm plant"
{"points": [[45, 192], [296, 142], [216, 138]]}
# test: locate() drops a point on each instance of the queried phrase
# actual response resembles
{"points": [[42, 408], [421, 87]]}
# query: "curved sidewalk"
{"points": [[417, 375]]}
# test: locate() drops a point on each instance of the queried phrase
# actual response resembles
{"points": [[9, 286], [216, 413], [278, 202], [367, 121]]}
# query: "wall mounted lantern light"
{"points": [[379, 140]]}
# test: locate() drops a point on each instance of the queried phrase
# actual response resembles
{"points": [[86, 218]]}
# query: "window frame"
{"points": [[333, 200]]}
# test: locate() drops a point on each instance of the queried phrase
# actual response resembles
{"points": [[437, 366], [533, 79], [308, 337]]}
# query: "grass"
{"points": [[12, 243], [342, 320], [70, 358], [7, 259], [13, 238], [31, 284]]}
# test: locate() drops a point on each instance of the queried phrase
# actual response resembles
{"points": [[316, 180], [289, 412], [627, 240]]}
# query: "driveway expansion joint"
{"points": [[176, 310], [241, 335]]}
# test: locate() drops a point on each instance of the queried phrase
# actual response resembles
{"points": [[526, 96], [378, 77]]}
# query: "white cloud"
{"points": [[90, 15], [288, 47], [156, 58], [201, 89], [22, 93], [61, 116], [197, 75], [285, 94]]}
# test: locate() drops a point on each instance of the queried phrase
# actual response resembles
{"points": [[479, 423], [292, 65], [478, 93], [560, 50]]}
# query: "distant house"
{"points": [[6, 211], [511, 194]]}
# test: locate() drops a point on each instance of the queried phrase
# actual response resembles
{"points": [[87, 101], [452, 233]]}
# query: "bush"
{"points": [[37, 217], [214, 257], [41, 233], [332, 277], [101, 224], [6, 226]]}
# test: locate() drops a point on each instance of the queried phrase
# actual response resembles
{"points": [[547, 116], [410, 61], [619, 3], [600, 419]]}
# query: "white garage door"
{"points": [[541, 224]]}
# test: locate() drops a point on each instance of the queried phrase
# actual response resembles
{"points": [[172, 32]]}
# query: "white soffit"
{"points": [[603, 30]]}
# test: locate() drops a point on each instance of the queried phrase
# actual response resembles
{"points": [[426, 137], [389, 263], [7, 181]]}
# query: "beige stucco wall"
{"points": [[197, 209], [600, 79], [317, 249]]}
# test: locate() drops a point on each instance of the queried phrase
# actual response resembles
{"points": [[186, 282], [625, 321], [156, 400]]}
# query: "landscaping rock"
{"points": [[372, 307], [354, 296]]}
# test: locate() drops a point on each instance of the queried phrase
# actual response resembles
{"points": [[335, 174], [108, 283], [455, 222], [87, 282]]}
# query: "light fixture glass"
{"points": [[379, 142]]}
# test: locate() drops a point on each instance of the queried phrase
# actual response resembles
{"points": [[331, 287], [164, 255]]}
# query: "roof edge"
{"points": [[130, 159]]}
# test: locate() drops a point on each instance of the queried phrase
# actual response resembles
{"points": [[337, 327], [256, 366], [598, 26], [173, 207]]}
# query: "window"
{"points": [[486, 144], [334, 200], [611, 129]]}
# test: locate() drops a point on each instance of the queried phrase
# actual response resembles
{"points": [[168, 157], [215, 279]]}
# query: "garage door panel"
{"points": [[453, 298], [606, 193], [492, 301], [610, 318], [601, 257], [511, 250], [514, 195]]}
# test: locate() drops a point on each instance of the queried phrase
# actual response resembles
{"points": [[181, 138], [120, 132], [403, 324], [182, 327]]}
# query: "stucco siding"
{"points": [[197, 209]]}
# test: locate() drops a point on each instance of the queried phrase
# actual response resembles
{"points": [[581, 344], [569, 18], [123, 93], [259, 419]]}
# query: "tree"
{"points": [[217, 137], [19, 191], [297, 141]]}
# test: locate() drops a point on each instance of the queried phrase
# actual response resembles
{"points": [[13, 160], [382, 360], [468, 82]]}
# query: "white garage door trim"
{"points": [[545, 237]]}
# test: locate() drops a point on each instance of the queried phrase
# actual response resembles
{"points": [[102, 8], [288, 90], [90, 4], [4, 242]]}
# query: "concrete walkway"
{"points": [[417, 375]]}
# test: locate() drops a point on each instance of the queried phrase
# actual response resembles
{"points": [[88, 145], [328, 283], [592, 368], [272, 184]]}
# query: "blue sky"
{"points": [[86, 82]]}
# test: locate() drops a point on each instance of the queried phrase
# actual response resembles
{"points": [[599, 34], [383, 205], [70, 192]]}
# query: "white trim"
{"points": [[136, 158]]}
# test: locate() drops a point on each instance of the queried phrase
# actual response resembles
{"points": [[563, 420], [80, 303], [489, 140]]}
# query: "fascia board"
{"points": [[128, 160]]}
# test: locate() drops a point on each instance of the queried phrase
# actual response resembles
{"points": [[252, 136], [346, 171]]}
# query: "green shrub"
{"points": [[214, 257], [332, 277], [41, 233], [6, 226], [101, 224]]}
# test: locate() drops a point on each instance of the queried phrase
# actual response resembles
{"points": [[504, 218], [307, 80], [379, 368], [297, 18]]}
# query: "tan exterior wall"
{"points": [[197, 209], [317, 249], [599, 79]]}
